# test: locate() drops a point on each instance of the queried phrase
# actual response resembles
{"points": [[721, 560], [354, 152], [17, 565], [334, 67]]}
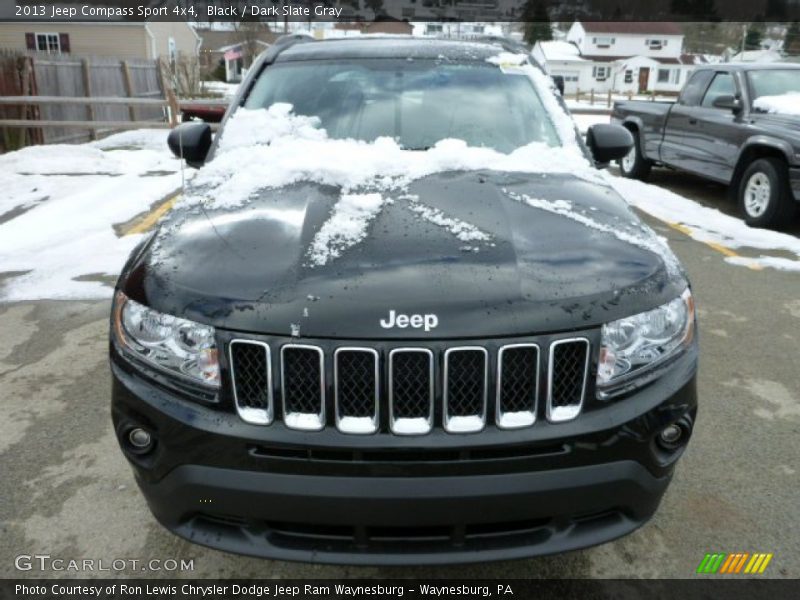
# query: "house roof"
{"points": [[633, 27], [557, 50]]}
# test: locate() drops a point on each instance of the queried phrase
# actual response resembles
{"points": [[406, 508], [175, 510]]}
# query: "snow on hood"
{"points": [[273, 147], [784, 104]]}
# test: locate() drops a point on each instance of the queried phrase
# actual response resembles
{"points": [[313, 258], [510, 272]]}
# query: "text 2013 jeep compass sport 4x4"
{"points": [[400, 317]]}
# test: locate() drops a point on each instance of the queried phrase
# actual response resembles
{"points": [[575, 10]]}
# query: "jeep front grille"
{"points": [[396, 389], [566, 386], [303, 387]]}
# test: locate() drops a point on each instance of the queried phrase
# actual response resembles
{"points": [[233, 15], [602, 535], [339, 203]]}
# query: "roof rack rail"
{"points": [[284, 42]]}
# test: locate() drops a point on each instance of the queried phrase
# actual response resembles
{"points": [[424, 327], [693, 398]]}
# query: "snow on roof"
{"points": [[557, 50]]}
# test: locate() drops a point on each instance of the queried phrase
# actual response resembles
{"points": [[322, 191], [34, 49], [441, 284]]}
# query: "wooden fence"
{"points": [[58, 77]]}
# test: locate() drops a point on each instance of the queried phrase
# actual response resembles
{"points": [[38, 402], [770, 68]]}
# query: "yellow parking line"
{"points": [[713, 245], [153, 216]]}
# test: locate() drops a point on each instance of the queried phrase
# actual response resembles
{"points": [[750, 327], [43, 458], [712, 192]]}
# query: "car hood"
{"points": [[562, 253]]}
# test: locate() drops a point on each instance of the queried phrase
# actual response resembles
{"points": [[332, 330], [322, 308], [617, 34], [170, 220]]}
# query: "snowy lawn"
{"points": [[58, 205]]}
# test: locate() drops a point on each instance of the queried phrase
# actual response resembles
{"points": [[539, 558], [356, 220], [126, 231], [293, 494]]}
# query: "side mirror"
{"points": [[608, 142], [731, 103], [559, 81], [190, 141]]}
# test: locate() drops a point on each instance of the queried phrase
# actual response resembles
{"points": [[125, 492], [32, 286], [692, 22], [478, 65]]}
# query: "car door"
{"points": [[680, 126], [715, 142]]}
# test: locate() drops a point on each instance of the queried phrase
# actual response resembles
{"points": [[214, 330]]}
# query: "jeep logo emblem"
{"points": [[428, 321]]}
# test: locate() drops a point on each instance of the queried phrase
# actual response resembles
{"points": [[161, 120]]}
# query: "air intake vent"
{"points": [[411, 391], [356, 388], [251, 374], [569, 365], [517, 385], [302, 387], [465, 389]]}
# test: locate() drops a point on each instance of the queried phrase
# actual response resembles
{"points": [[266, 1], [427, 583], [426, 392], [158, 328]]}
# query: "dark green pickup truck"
{"points": [[738, 124]]}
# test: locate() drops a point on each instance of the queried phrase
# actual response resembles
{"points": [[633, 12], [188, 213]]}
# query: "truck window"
{"points": [[694, 88], [722, 85]]}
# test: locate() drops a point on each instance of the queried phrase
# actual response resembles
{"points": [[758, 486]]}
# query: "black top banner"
{"points": [[399, 10]]}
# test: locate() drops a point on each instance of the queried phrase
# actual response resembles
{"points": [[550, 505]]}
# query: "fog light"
{"points": [[139, 438], [671, 434]]}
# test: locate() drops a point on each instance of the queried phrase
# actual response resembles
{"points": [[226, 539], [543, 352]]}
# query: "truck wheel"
{"points": [[633, 165], [765, 198]]}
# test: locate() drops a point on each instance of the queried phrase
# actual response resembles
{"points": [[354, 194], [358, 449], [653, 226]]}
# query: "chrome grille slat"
{"points": [[356, 389], [251, 376], [411, 391], [517, 385], [303, 386], [568, 367], [466, 376]]}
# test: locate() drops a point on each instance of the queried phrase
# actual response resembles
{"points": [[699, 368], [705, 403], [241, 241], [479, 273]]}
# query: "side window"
{"points": [[722, 85], [694, 88]]}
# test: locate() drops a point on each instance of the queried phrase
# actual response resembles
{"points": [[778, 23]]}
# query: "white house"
{"points": [[623, 57]]}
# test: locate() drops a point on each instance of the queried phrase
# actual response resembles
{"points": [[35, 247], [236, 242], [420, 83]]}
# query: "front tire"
{"points": [[765, 199], [634, 165]]}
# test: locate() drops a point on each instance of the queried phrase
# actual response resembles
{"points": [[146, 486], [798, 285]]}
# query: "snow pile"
{"points": [[58, 206], [708, 224], [143, 139], [638, 235], [784, 104], [346, 227], [270, 148], [137, 154], [262, 127]]}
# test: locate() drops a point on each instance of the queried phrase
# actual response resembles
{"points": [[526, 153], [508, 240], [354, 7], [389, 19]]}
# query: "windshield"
{"points": [[416, 102], [774, 82]]}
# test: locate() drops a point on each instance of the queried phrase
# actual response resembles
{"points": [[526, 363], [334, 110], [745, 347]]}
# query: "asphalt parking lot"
{"points": [[68, 492]]}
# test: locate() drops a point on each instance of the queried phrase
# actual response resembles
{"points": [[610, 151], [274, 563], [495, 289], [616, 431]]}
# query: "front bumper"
{"points": [[383, 499]]}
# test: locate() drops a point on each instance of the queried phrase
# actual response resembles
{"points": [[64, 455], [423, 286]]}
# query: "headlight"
{"points": [[177, 346], [632, 346]]}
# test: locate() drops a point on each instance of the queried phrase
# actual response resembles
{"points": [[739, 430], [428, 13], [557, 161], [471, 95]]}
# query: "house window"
{"points": [[663, 76], [48, 42], [629, 76], [433, 28], [655, 44], [603, 42], [600, 73]]}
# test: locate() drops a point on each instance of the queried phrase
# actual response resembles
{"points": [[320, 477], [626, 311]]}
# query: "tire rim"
{"points": [[629, 160], [757, 193]]}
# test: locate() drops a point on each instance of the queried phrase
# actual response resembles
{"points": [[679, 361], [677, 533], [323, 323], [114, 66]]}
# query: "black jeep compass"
{"points": [[486, 359]]}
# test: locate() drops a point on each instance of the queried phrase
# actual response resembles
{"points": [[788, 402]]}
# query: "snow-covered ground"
{"points": [[59, 204], [585, 121]]}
